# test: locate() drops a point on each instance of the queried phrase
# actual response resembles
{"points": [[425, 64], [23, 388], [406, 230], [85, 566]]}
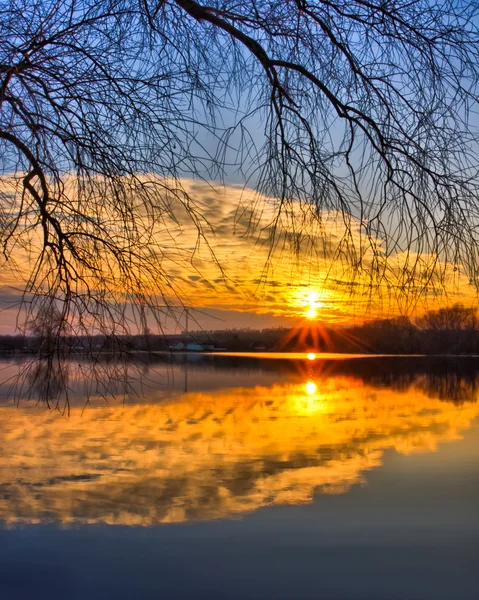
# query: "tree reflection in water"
{"points": [[222, 451]]}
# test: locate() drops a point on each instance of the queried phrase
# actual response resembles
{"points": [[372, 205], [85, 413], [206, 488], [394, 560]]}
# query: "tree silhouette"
{"points": [[106, 105], [48, 327], [454, 318]]}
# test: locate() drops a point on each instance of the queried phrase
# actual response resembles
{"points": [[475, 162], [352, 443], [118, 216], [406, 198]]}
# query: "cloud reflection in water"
{"points": [[212, 454]]}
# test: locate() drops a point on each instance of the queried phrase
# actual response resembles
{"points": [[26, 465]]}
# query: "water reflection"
{"points": [[219, 452]]}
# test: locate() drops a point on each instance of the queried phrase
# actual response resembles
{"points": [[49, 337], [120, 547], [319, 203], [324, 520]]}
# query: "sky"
{"points": [[245, 271], [240, 275]]}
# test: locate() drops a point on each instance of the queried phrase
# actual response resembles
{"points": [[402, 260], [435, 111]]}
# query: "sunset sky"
{"points": [[254, 264], [243, 279]]}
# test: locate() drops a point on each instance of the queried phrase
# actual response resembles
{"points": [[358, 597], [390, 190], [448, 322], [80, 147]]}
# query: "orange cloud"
{"points": [[237, 253]]}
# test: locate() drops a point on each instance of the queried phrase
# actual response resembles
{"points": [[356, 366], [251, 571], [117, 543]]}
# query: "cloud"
{"points": [[232, 250]]}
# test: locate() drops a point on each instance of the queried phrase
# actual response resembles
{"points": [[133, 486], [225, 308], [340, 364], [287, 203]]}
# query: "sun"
{"points": [[313, 304]]}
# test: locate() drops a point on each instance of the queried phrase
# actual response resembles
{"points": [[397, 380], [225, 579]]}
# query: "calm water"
{"points": [[241, 477]]}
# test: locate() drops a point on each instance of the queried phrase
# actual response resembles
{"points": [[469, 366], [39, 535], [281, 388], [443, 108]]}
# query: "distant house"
{"points": [[194, 347], [78, 348], [258, 347], [178, 347]]}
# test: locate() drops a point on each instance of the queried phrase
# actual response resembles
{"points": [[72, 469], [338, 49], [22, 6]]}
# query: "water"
{"points": [[243, 477]]}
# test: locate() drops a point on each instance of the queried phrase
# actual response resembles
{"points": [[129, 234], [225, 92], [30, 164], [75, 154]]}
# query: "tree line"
{"points": [[450, 330]]}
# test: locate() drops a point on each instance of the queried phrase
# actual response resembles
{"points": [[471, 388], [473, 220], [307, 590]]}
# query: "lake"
{"points": [[241, 477]]}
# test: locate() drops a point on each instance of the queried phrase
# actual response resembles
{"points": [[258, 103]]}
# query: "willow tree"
{"points": [[361, 108]]}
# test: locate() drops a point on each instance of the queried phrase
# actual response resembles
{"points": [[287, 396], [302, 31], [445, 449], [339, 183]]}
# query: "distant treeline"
{"points": [[453, 330], [31, 344]]}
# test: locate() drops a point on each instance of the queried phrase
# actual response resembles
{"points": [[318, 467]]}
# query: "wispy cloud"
{"points": [[240, 253]]}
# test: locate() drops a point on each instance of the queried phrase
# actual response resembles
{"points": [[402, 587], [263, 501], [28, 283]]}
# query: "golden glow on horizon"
{"points": [[157, 462], [311, 356]]}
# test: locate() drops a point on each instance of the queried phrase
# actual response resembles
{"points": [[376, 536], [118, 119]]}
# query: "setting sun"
{"points": [[313, 304]]}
